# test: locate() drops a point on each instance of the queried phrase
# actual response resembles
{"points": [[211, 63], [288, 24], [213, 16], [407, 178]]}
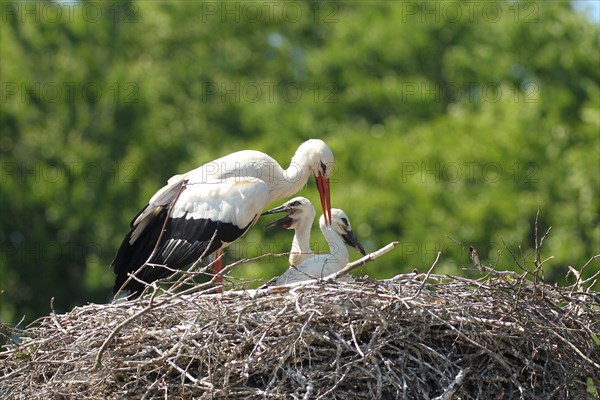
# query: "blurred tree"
{"points": [[451, 123]]}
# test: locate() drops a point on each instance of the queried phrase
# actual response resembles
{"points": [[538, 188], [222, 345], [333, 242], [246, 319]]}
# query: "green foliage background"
{"points": [[451, 122]]}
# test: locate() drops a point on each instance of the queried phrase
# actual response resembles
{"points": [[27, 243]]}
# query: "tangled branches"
{"points": [[412, 336]]}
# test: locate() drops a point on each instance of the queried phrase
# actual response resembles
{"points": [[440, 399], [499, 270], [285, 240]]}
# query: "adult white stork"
{"points": [[300, 216], [204, 210], [316, 266]]}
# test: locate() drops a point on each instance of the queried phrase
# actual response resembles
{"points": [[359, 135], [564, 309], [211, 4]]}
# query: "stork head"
{"points": [[318, 157], [298, 209], [340, 224]]}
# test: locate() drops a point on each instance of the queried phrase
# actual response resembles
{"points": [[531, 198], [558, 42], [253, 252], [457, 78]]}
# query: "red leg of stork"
{"points": [[217, 268]]}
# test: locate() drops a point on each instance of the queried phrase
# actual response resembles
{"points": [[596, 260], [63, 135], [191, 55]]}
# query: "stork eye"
{"points": [[295, 203], [324, 168]]}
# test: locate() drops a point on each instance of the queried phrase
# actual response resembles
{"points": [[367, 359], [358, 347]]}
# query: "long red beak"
{"points": [[323, 186]]}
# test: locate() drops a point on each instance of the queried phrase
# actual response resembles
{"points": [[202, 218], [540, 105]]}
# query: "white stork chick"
{"points": [[317, 266], [300, 216], [202, 211]]}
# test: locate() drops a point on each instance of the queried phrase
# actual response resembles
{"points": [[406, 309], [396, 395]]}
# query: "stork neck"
{"points": [[337, 247], [301, 243], [289, 181]]}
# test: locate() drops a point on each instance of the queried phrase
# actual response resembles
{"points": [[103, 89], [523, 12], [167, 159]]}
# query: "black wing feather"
{"points": [[130, 257], [184, 241]]}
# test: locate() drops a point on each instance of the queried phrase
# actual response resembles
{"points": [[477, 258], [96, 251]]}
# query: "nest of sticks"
{"points": [[503, 336]]}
